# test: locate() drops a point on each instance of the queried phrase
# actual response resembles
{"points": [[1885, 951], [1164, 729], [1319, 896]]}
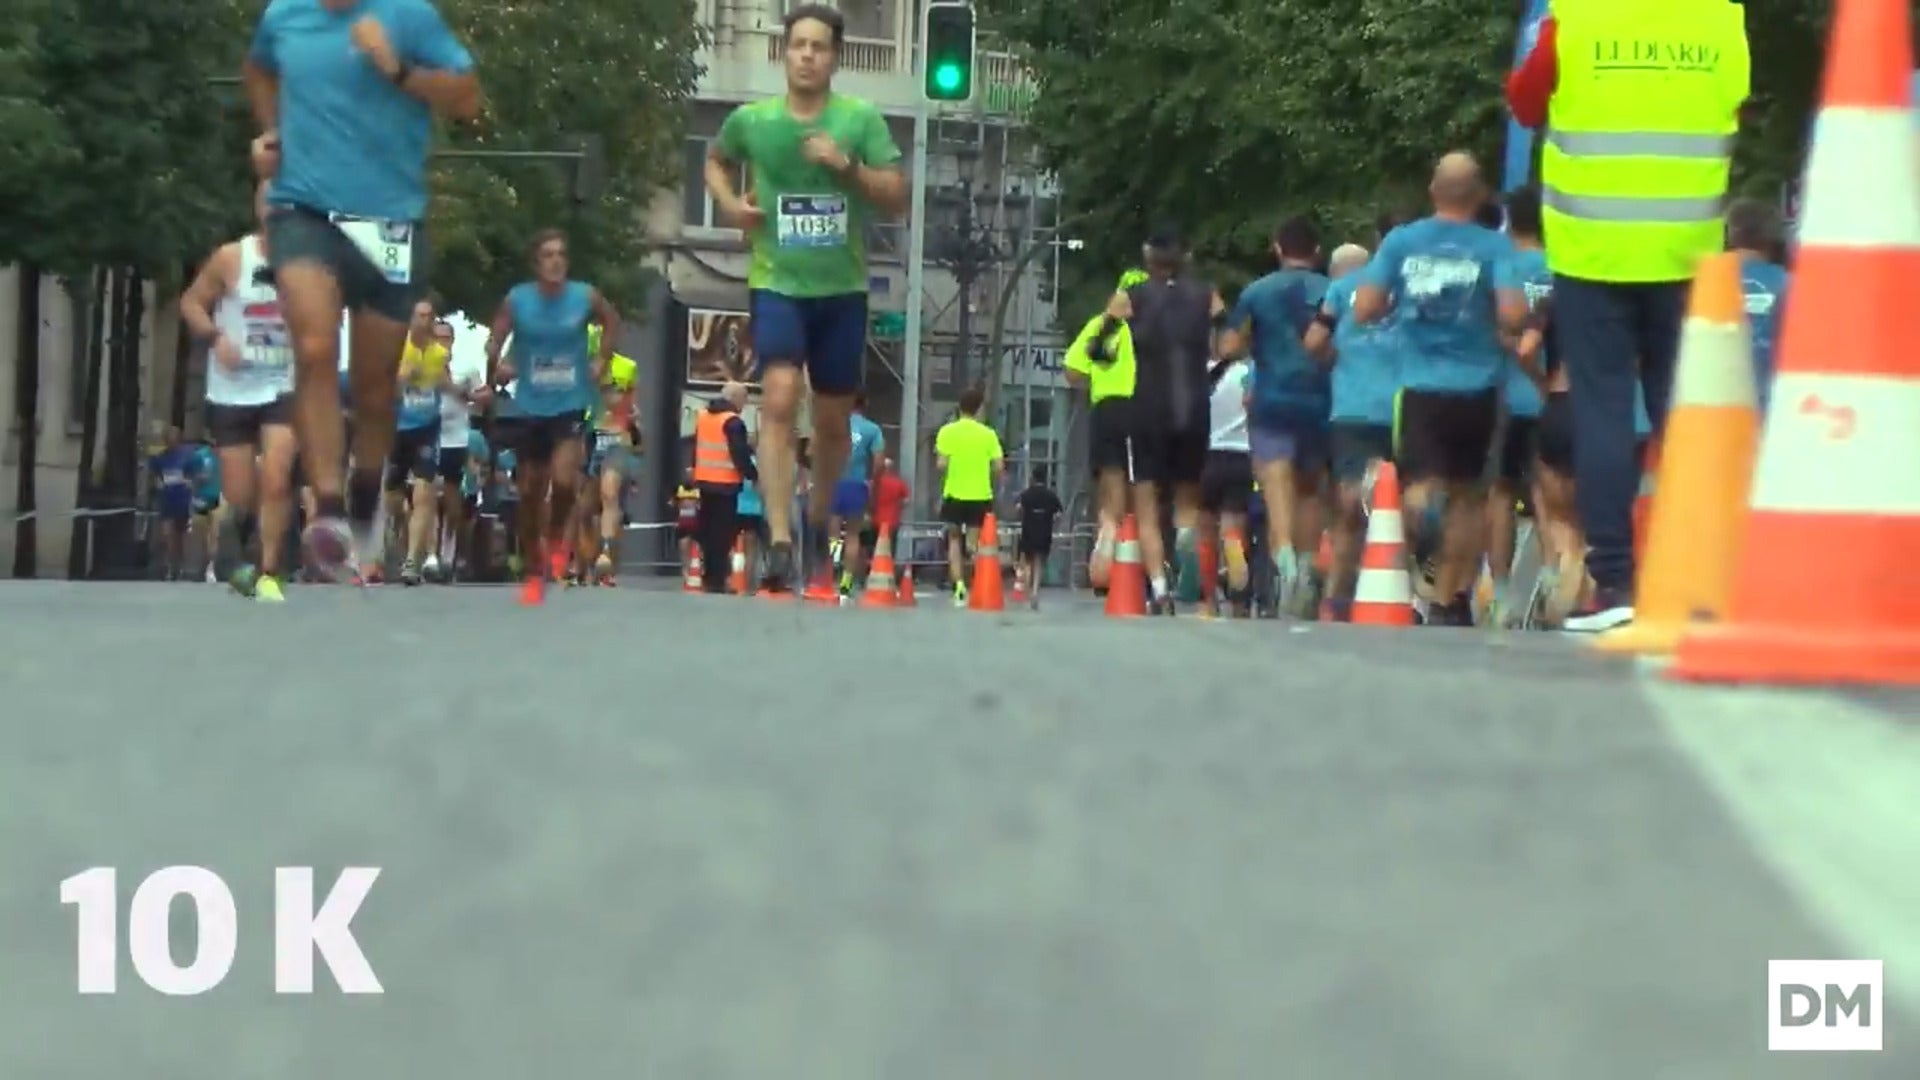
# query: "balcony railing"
{"points": [[871, 55]]}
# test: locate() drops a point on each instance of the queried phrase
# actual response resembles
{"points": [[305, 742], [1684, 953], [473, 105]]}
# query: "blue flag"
{"points": [[1520, 140]]}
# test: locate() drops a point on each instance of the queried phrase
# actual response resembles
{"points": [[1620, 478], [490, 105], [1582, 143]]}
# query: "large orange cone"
{"points": [[1126, 581], [1383, 594], [1827, 589], [696, 572], [1706, 467], [986, 594], [880, 585]]}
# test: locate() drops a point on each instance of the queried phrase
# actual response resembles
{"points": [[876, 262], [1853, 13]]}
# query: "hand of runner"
{"points": [[820, 149], [503, 373], [371, 39], [746, 214], [226, 353], [266, 154]]}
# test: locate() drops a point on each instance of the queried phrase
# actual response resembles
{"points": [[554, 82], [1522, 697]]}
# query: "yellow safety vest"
{"points": [[1639, 136]]}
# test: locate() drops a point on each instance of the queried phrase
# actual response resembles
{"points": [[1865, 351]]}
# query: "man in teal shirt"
{"points": [[852, 493]]}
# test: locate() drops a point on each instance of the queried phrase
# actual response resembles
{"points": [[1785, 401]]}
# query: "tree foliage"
{"points": [[555, 70], [1226, 116], [113, 161]]}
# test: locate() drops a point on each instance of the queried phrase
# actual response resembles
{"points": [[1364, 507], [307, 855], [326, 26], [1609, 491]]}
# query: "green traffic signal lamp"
{"points": [[948, 40]]}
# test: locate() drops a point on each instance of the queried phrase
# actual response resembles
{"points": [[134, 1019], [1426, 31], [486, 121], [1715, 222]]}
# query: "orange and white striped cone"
{"points": [[1837, 486], [1127, 580], [1383, 594], [1706, 468], [696, 573], [737, 577]]}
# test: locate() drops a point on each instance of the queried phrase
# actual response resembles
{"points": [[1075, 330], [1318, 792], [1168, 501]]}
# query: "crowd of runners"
{"points": [[1242, 439]]}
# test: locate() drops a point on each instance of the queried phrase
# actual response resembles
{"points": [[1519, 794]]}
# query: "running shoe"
{"points": [[603, 571], [410, 572], [959, 596], [244, 579], [267, 590], [777, 579], [329, 549]]}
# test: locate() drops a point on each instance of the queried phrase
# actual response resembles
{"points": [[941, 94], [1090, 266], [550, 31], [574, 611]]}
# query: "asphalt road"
{"points": [[640, 834]]}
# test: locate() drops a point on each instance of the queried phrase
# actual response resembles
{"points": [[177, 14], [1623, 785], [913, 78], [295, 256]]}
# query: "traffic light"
{"points": [[947, 56]]}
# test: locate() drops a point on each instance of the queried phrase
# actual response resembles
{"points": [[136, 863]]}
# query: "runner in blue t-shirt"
{"points": [[852, 494], [1437, 275]]}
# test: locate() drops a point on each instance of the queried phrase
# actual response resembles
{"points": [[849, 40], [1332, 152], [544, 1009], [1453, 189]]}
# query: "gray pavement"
{"points": [[933, 844]]}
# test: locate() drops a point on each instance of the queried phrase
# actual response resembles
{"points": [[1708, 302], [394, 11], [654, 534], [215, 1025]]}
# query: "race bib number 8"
{"points": [[812, 221], [387, 244]]}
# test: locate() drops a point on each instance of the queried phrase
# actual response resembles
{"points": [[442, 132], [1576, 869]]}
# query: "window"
{"points": [[870, 19], [1040, 413], [696, 206]]}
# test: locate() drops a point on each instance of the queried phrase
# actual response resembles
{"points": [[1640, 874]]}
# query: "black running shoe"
{"points": [[778, 575]]}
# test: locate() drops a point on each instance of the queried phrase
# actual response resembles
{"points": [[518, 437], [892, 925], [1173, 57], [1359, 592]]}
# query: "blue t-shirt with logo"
{"points": [[553, 373], [352, 142], [205, 470], [1765, 285], [1277, 309], [868, 443], [1441, 275], [1525, 271], [1366, 364]]}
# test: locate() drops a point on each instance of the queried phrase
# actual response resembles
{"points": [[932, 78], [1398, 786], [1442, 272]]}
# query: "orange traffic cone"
{"points": [[986, 592], [880, 587], [907, 599], [1383, 594], [737, 580], [1837, 486], [1713, 431], [696, 573], [1126, 580]]}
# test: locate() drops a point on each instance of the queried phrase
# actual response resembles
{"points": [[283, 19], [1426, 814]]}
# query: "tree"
{"points": [[1227, 117], [554, 71]]}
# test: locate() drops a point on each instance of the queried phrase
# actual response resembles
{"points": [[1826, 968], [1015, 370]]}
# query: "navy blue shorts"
{"points": [[827, 335], [849, 499]]}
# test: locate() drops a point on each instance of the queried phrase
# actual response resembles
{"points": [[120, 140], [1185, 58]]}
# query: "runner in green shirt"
{"points": [[973, 462], [819, 166]]}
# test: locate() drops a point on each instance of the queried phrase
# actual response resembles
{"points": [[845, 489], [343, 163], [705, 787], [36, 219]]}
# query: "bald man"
{"points": [[1438, 277]]}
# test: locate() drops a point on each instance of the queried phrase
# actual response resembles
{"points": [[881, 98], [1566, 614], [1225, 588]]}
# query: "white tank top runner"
{"points": [[250, 317], [1228, 411]]}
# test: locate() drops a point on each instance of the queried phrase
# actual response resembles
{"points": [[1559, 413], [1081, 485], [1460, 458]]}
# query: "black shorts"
{"points": [[1517, 451], [754, 525], [1553, 434], [965, 513], [534, 438], [1108, 425], [1226, 482], [416, 456], [1446, 437], [306, 235], [239, 425], [453, 464], [1352, 446], [1168, 458], [1036, 543]]}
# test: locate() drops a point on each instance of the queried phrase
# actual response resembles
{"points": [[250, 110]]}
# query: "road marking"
{"points": [[1824, 789]]}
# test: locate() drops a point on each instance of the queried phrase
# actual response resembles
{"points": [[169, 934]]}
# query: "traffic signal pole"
{"points": [[916, 304]]}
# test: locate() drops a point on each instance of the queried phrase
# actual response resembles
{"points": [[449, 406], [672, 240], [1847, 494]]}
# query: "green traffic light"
{"points": [[948, 78]]}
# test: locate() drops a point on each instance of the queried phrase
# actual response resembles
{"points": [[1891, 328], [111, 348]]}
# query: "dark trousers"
{"points": [[719, 523], [1602, 333]]}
